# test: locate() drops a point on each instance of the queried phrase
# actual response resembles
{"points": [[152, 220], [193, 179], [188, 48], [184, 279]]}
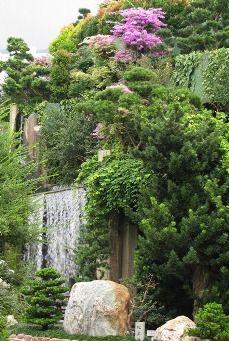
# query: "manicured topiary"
{"points": [[45, 296]]}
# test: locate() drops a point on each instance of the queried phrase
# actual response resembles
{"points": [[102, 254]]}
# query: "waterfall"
{"points": [[33, 252], [60, 214]]}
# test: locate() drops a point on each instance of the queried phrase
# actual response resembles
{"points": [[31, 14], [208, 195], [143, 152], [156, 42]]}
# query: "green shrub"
{"points": [[15, 189], [45, 295], [140, 80], [81, 82], [9, 304], [138, 73], [66, 146], [211, 323], [3, 330]]}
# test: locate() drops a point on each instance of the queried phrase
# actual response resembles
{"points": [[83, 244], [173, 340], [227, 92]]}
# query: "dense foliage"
{"points": [[206, 74], [66, 148], [113, 189], [211, 323], [15, 188], [108, 88], [46, 298]]}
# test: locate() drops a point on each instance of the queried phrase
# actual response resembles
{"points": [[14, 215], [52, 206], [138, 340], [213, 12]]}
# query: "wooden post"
{"points": [[129, 242], [115, 261]]}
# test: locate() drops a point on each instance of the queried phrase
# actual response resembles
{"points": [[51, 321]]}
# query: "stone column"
{"points": [[13, 116], [31, 136]]}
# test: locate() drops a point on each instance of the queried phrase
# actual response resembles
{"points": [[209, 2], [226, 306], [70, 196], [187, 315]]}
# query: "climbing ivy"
{"points": [[216, 77], [184, 68], [113, 187], [207, 74]]}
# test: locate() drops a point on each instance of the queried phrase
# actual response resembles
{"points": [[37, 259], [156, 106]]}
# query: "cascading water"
{"points": [[61, 217], [33, 252]]}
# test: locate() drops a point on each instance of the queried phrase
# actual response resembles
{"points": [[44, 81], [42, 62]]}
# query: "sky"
{"points": [[38, 22]]}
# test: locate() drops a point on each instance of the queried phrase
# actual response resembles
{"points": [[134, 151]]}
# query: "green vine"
{"points": [[185, 66], [216, 77], [207, 74], [113, 187]]}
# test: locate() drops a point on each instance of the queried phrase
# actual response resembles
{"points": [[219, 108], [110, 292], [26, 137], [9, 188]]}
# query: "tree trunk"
{"points": [[199, 286]]}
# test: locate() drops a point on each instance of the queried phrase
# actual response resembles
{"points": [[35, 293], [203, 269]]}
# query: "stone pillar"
{"points": [[13, 116], [31, 135]]}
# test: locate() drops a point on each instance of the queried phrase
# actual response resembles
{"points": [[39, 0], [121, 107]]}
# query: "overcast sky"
{"points": [[38, 21]]}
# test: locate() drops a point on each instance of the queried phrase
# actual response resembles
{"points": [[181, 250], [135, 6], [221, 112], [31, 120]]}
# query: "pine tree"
{"points": [[46, 298], [27, 79]]}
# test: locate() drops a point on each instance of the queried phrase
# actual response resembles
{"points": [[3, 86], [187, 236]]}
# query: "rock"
{"points": [[174, 330], [97, 308], [11, 321]]}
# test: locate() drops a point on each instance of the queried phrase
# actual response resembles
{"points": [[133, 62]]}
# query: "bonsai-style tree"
{"points": [[27, 78], [84, 12], [46, 297]]}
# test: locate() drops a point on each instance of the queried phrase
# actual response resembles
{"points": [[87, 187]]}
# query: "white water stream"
{"points": [[60, 213]]}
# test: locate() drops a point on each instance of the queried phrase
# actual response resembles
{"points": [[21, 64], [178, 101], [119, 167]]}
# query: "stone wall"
{"points": [[23, 337]]}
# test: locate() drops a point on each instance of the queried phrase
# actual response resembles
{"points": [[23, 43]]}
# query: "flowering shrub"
{"points": [[124, 55], [100, 41], [137, 31], [136, 34], [101, 45]]}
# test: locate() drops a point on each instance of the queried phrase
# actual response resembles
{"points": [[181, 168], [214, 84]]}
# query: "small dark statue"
{"points": [[45, 297]]}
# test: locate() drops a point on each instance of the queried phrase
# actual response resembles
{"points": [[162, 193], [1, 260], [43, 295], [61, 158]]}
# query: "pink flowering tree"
{"points": [[135, 35], [137, 32]]}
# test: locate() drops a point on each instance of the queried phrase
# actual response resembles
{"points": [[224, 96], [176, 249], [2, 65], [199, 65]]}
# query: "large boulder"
{"points": [[175, 330], [97, 308]]}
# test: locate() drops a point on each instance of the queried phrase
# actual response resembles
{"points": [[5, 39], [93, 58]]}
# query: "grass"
{"points": [[60, 334]]}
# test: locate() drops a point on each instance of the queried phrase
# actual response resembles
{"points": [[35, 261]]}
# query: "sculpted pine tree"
{"points": [[46, 298], [27, 80]]}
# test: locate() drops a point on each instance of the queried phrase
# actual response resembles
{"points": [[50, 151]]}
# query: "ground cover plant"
{"points": [[57, 332]]}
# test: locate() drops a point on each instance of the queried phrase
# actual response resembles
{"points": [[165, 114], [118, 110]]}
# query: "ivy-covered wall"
{"points": [[207, 74]]}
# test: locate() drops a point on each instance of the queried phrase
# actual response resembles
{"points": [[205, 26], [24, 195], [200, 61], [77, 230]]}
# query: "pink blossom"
{"points": [[124, 56], [122, 87], [43, 61], [100, 41], [138, 28]]}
